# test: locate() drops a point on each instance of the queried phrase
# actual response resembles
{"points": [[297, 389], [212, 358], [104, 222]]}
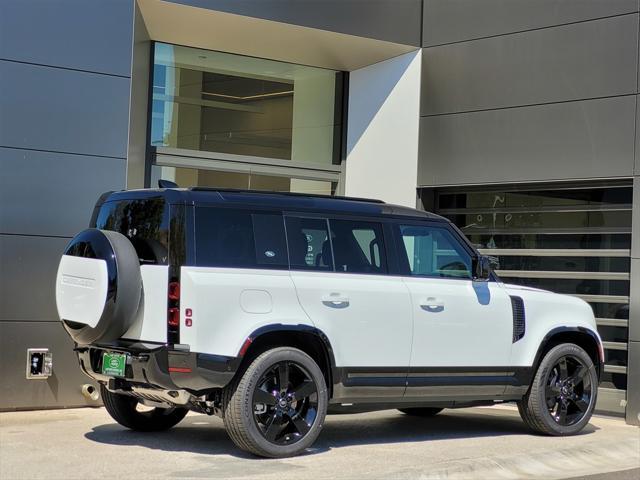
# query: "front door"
{"points": [[462, 328], [339, 270]]}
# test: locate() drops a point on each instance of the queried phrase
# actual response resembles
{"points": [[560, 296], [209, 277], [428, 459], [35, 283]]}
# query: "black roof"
{"points": [[276, 200]]}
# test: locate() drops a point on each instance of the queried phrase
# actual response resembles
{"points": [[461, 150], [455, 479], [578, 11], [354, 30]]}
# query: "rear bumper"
{"points": [[158, 366]]}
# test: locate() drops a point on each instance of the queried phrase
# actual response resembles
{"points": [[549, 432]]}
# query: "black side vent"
{"points": [[517, 307]]}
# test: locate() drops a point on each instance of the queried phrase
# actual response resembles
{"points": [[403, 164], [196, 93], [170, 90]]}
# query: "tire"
{"points": [[122, 409], [112, 310], [279, 425], [421, 412], [563, 393]]}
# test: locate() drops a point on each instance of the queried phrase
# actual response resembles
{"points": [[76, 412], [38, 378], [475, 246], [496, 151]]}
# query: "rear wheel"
{"points": [[125, 410], [278, 406], [563, 393], [421, 412]]}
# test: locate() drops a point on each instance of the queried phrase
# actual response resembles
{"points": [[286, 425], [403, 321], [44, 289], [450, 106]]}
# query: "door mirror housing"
{"points": [[481, 267]]}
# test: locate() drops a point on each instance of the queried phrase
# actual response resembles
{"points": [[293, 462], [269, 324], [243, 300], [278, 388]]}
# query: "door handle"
{"points": [[335, 300], [432, 304]]}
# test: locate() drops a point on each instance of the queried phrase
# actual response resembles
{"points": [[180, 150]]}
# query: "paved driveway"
{"points": [[470, 443]]}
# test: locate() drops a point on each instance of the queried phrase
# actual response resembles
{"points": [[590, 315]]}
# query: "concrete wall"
{"points": [[64, 103], [382, 130], [397, 21]]}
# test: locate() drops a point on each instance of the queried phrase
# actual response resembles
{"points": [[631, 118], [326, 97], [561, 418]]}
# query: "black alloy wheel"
{"points": [[563, 392], [277, 406], [568, 391], [285, 403]]}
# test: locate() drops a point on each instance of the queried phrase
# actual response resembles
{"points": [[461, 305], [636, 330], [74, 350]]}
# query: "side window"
{"points": [[237, 238], [309, 244], [433, 252], [358, 247]]}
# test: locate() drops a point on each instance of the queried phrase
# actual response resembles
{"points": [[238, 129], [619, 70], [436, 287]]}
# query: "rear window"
{"points": [[144, 222], [240, 239]]}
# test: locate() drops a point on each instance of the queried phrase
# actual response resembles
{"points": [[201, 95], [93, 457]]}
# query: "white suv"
{"points": [[271, 310]]}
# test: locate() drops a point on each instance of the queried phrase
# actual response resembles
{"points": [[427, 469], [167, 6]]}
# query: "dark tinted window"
{"points": [[144, 222], [236, 238], [358, 247], [309, 245]]}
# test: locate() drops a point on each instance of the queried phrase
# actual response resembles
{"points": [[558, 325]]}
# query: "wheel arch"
{"points": [[584, 337], [309, 339]]}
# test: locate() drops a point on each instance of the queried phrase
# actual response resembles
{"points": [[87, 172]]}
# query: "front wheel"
{"points": [[125, 410], [278, 406], [563, 393]]}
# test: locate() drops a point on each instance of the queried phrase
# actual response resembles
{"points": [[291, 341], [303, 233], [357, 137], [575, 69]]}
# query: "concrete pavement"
{"points": [[470, 443]]}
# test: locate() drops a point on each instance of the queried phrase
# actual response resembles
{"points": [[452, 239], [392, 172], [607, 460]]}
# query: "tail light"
{"points": [[173, 307], [174, 291]]}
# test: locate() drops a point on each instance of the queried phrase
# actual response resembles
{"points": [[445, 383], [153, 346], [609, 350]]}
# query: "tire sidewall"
{"points": [[255, 372], [542, 376]]}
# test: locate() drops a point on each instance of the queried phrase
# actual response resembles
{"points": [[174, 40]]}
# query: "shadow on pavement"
{"points": [[206, 435]]}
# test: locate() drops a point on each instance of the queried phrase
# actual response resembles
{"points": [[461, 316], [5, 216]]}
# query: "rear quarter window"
{"points": [[240, 239]]}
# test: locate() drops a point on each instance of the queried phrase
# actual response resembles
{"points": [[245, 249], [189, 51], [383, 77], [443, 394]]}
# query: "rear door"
{"points": [[339, 268]]}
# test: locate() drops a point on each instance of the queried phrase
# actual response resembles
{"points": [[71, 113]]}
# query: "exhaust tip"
{"points": [[90, 392]]}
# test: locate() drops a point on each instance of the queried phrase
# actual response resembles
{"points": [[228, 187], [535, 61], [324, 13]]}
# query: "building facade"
{"points": [[518, 120]]}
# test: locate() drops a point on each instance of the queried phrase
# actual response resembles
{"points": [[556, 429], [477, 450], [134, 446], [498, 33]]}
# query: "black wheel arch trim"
{"points": [[330, 366], [575, 330]]}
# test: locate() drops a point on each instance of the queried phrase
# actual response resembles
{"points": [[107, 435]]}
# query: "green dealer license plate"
{"points": [[113, 364]]}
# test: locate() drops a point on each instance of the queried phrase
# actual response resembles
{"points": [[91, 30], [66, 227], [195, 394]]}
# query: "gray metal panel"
{"points": [[634, 304], [138, 111], [85, 35], [585, 139], [27, 284], [44, 193], [635, 236], [62, 389], [637, 167], [390, 20], [633, 385], [44, 108], [447, 21], [596, 59]]}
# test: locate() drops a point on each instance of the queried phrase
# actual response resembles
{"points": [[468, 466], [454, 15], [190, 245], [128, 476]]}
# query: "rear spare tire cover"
{"points": [[98, 286]]}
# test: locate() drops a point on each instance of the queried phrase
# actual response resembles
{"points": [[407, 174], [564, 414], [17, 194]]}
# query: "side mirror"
{"points": [[481, 267]]}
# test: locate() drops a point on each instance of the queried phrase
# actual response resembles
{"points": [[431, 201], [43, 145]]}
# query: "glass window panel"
{"points": [[613, 380], [358, 247], [533, 240], [309, 244], [618, 311], [192, 177], [144, 222], [541, 220], [270, 241], [225, 238], [566, 264], [582, 287], [434, 252], [613, 334], [233, 104]]}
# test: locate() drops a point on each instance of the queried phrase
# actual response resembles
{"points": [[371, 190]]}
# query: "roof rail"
{"points": [[290, 194]]}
